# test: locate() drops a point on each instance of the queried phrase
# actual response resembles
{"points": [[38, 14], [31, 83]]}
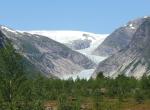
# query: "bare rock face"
{"points": [[134, 59], [48, 56], [119, 39]]}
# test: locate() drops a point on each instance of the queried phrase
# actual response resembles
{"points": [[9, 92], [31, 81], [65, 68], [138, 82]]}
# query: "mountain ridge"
{"points": [[134, 59], [47, 55]]}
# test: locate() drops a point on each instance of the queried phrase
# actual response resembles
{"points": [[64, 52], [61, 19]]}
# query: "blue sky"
{"points": [[98, 16]]}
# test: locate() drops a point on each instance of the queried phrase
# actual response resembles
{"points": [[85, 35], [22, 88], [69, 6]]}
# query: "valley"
{"points": [[63, 70], [69, 37], [75, 55]]}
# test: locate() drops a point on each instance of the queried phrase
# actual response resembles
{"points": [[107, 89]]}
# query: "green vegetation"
{"points": [[20, 92]]}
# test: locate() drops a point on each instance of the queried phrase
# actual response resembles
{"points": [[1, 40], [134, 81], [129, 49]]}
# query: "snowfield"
{"points": [[67, 36]]}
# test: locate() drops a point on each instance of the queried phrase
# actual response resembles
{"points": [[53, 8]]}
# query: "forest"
{"points": [[18, 91]]}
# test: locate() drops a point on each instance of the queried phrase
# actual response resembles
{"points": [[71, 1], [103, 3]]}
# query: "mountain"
{"points": [[119, 39], [6, 50], [134, 59], [83, 42], [51, 58]]}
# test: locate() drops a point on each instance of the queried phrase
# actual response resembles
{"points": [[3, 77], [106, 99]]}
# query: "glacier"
{"points": [[66, 36]]}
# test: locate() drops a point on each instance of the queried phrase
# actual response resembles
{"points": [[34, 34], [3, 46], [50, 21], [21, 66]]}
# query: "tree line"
{"points": [[21, 92]]}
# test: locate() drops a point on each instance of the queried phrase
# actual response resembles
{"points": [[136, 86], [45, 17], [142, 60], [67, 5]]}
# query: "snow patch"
{"points": [[145, 16], [131, 26]]}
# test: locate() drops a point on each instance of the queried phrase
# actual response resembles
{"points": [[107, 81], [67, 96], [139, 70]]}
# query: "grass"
{"points": [[113, 104]]}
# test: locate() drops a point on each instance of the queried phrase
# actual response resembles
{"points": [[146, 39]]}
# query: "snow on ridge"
{"points": [[146, 16], [8, 29]]}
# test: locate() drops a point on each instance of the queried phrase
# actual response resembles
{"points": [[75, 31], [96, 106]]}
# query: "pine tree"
{"points": [[12, 77]]}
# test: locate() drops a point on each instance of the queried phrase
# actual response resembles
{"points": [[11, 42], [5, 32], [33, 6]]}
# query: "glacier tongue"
{"points": [[85, 74], [95, 58]]}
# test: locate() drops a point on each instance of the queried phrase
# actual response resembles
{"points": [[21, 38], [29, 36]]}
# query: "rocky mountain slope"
{"points": [[47, 55], [134, 59], [119, 39]]}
